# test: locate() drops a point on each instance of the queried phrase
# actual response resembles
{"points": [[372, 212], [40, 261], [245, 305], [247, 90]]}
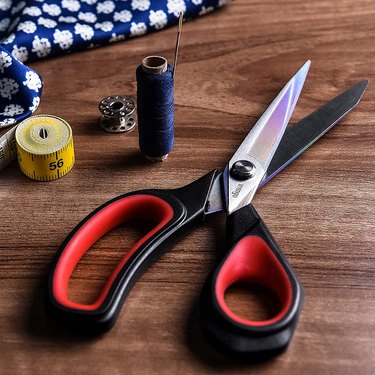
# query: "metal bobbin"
{"points": [[117, 114]]}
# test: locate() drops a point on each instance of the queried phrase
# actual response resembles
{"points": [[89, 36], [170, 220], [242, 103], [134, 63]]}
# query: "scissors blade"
{"points": [[300, 137], [303, 134], [257, 149]]}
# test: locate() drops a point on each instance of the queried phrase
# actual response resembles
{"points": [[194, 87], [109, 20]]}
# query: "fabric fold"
{"points": [[35, 29], [20, 89]]}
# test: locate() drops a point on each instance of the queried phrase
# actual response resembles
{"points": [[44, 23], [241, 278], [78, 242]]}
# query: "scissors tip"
{"points": [[302, 72], [358, 90], [306, 64], [363, 84]]}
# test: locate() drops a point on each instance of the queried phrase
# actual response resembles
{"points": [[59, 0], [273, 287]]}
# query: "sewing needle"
{"points": [[180, 19]]}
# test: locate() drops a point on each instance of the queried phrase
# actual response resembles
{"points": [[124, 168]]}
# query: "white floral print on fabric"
{"points": [[90, 22], [41, 46], [89, 2], [4, 24], [32, 11], [21, 53], [158, 19], [36, 29], [104, 26], [86, 32], [8, 87], [205, 10], [47, 22], [5, 61], [7, 121], [9, 39], [5, 4], [33, 82], [123, 16], [137, 29], [64, 38], [105, 7], [16, 99], [35, 104], [12, 110], [28, 27], [116, 38], [87, 17], [176, 7], [141, 4], [72, 5], [52, 9], [69, 19], [18, 7]]}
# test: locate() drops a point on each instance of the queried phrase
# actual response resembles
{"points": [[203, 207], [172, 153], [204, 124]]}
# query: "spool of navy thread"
{"points": [[155, 106]]}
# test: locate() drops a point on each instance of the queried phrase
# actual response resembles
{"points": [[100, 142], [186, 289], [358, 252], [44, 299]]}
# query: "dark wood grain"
{"points": [[321, 209]]}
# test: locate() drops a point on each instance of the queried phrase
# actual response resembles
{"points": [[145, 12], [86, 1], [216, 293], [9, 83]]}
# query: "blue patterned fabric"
{"points": [[35, 29], [20, 89]]}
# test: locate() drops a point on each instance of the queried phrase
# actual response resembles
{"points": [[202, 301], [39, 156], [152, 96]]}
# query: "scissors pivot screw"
{"points": [[243, 170]]}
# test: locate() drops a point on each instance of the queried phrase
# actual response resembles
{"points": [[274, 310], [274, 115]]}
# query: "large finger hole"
{"points": [[98, 263], [128, 209]]}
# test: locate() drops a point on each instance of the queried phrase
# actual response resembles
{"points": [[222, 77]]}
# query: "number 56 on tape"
{"points": [[45, 147]]}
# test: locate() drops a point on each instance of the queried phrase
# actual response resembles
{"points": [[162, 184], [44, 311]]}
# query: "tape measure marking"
{"points": [[45, 147], [8, 149]]}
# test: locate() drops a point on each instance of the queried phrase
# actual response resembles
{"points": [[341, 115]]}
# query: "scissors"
{"points": [[252, 256]]}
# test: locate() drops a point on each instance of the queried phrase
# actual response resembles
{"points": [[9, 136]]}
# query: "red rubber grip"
{"points": [[134, 207], [253, 261]]}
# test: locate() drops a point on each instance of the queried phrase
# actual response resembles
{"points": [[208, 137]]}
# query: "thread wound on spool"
{"points": [[155, 105]]}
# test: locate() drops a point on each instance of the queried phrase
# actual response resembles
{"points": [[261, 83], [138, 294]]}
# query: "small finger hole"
{"points": [[253, 302]]}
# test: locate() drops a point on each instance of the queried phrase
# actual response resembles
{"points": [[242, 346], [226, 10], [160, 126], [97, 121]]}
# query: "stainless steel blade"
{"points": [[250, 162], [299, 137], [307, 131]]}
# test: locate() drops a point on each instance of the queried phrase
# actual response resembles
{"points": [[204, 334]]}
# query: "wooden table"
{"points": [[321, 209]]}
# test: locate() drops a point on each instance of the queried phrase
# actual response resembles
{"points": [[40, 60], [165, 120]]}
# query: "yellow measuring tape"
{"points": [[45, 147]]}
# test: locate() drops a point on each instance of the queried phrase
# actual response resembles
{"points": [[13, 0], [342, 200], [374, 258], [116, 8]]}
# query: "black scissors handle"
{"points": [[253, 257], [172, 212]]}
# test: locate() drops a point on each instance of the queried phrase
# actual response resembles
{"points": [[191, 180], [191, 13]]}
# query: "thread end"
{"points": [[156, 159]]}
